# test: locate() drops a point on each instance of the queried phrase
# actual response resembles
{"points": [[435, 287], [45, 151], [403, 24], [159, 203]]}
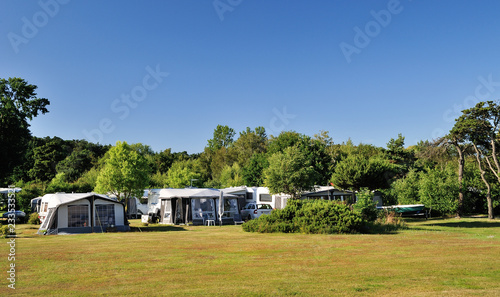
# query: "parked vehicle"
{"points": [[17, 215], [254, 210]]}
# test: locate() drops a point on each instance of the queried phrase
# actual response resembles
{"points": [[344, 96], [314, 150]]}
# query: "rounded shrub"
{"points": [[34, 219], [308, 216], [7, 231]]}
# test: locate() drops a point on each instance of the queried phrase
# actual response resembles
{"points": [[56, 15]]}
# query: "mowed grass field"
{"points": [[431, 258]]}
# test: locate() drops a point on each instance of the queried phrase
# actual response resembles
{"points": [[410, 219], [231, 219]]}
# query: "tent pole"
{"points": [[92, 213]]}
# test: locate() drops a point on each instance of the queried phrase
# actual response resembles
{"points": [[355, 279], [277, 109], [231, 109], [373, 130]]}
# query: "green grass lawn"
{"points": [[431, 258]]}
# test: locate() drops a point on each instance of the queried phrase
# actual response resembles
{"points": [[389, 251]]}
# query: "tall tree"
{"points": [[290, 172], [249, 143], [125, 173], [457, 138], [356, 172], [313, 149], [252, 173], [223, 137], [18, 104], [480, 126], [400, 156]]}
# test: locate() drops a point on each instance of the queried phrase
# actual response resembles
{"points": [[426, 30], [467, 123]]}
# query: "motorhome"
{"points": [[257, 195]]}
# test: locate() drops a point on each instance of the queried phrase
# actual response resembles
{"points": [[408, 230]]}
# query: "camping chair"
{"points": [[237, 219]]}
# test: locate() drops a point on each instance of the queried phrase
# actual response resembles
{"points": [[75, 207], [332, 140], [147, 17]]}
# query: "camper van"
{"points": [[258, 195]]}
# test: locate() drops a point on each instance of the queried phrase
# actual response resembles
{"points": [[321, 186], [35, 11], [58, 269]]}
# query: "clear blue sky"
{"points": [[365, 70]]}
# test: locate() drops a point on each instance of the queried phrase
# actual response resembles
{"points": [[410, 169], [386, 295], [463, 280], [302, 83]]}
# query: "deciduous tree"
{"points": [[290, 172], [125, 173], [18, 104]]}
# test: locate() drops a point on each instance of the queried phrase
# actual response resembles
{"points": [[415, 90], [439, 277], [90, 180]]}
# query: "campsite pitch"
{"points": [[431, 258]]}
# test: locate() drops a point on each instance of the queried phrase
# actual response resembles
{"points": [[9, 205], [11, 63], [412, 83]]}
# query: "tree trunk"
{"points": [[488, 187], [461, 163], [491, 215]]}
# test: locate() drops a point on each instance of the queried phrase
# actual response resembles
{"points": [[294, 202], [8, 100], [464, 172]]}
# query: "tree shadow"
{"points": [[157, 228], [478, 224]]}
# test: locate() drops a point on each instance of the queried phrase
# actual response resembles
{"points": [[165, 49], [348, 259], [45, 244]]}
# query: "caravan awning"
{"points": [[192, 193]]}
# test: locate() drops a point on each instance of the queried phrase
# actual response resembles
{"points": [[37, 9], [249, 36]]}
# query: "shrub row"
{"points": [[309, 216]]}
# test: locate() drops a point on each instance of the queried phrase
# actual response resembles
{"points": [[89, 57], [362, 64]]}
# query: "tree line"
{"points": [[456, 175]]}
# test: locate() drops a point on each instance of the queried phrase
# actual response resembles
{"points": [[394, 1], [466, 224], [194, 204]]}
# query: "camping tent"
{"points": [[181, 206], [81, 213]]}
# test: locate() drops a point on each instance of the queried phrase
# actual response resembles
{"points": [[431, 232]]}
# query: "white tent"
{"points": [[81, 213], [182, 206]]}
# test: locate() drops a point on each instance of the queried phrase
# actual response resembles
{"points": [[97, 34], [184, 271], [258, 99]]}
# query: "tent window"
{"points": [[230, 207], [203, 208], [105, 215], [78, 215], [45, 205], [265, 198]]}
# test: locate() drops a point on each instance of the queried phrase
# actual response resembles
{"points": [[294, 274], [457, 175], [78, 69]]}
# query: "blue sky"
{"points": [[166, 73]]}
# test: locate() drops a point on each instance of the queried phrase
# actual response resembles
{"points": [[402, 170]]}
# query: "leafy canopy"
{"points": [[125, 173]]}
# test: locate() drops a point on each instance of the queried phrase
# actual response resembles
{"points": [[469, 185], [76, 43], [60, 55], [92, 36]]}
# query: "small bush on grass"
{"points": [[34, 219], [386, 222], [6, 231], [314, 216]]}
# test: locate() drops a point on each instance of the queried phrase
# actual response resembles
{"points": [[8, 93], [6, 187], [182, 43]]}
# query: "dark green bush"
{"points": [[365, 205], [313, 216]]}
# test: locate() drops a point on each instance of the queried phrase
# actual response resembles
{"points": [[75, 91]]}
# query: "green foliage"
{"points": [[313, 149], [221, 158], [89, 178], [223, 137], [47, 156], [250, 143], [84, 157], [253, 172], [406, 189], [436, 188], [397, 153], [365, 205], [357, 171], [480, 127], [182, 172], [59, 184], [290, 172], [29, 191], [18, 105], [231, 176], [7, 231], [34, 219], [429, 154], [158, 180], [439, 190], [311, 217], [125, 173]]}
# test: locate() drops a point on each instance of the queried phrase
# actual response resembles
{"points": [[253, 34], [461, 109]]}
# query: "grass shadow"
{"points": [[465, 224], [156, 228], [383, 229]]}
